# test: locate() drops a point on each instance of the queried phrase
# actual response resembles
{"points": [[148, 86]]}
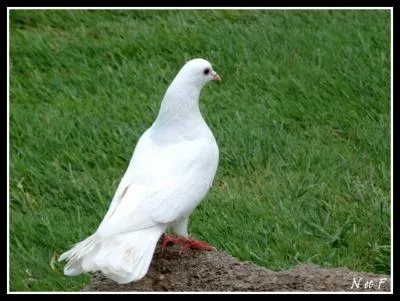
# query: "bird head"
{"points": [[198, 71]]}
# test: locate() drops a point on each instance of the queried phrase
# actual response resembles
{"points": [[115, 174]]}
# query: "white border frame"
{"points": [[198, 8]]}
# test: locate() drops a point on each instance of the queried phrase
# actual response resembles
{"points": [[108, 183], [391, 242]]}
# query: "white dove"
{"points": [[170, 172]]}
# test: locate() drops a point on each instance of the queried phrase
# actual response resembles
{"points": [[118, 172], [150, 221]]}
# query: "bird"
{"points": [[171, 170]]}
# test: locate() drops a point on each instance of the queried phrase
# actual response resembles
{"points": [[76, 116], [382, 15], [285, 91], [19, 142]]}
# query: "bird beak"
{"points": [[216, 76]]}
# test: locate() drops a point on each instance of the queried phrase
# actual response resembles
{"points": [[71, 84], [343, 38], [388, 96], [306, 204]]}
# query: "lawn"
{"points": [[302, 119]]}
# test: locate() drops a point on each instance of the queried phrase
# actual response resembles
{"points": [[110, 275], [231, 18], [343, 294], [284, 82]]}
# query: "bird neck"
{"points": [[179, 106]]}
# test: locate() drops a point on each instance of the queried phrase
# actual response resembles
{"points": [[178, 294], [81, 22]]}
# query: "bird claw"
{"points": [[195, 244], [189, 243], [169, 239]]}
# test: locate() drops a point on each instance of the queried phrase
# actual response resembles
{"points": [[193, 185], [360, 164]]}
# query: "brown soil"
{"points": [[218, 271]]}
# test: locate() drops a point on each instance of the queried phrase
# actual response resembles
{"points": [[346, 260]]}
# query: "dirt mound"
{"points": [[218, 271]]}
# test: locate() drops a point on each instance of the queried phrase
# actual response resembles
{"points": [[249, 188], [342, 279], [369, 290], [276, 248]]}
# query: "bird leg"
{"points": [[194, 244], [189, 243], [169, 239]]}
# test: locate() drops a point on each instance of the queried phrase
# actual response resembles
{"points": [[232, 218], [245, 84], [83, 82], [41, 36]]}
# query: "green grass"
{"points": [[302, 119]]}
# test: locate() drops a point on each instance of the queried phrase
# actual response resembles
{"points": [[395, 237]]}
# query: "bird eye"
{"points": [[206, 71]]}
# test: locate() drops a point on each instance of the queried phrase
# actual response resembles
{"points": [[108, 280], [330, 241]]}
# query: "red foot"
{"points": [[195, 244], [189, 243], [170, 239]]}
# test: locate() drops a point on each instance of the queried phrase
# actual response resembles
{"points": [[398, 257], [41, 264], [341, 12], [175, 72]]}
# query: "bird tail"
{"points": [[124, 257]]}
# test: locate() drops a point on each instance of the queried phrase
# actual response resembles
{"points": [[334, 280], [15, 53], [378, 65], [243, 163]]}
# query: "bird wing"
{"points": [[161, 184]]}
